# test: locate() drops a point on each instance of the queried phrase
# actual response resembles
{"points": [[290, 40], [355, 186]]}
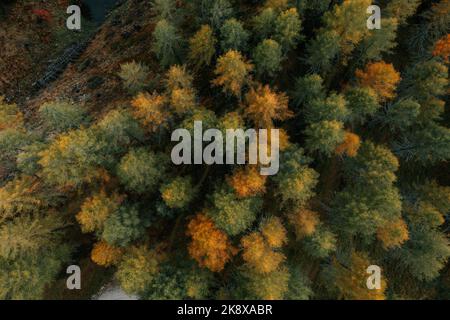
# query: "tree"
{"points": [[304, 221], [118, 130], [321, 243], [274, 232], [347, 21], [177, 78], [380, 77], [350, 279], [233, 36], [137, 269], [323, 51], [209, 246], [168, 284], [10, 116], [362, 103], [349, 146], [299, 285], [324, 136], [123, 227], [267, 56], [442, 48], [105, 255], [333, 108], [23, 195], [62, 116], [151, 110], [372, 170], [232, 71], [344, 27], [26, 235], [402, 9], [426, 83], [295, 181], [27, 277], [379, 41], [287, 29], [247, 182], [258, 255], [232, 214], [95, 210], [401, 115], [393, 234], [12, 142], [73, 158], [272, 286], [167, 43], [264, 24], [215, 12], [307, 89], [178, 193], [133, 75], [202, 47], [141, 170], [263, 106]]}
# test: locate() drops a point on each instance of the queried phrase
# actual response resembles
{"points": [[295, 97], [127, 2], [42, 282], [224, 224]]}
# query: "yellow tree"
{"points": [[209, 246], [381, 77], [264, 105], [304, 221], [232, 71], [351, 280], [105, 255], [258, 255], [274, 232], [350, 145], [442, 48], [247, 181], [95, 210], [150, 110], [393, 234], [202, 47]]}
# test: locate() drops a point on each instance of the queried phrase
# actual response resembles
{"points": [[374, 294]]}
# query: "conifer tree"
{"points": [[267, 57], [233, 36], [202, 47], [167, 43], [232, 71]]}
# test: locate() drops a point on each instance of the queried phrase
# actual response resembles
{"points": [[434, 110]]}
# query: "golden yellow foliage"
{"points": [[150, 110], [105, 255], [247, 181], [210, 246], [232, 70], [274, 232], [178, 78], [442, 48], [10, 116], [304, 222], [350, 145], [265, 105], [352, 280], [381, 77], [202, 46], [95, 210], [393, 234], [182, 100], [258, 254]]}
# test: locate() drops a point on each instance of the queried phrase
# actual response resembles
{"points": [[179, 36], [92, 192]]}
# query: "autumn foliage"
{"points": [[442, 48], [350, 145], [105, 255], [209, 246], [247, 181], [381, 77]]}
